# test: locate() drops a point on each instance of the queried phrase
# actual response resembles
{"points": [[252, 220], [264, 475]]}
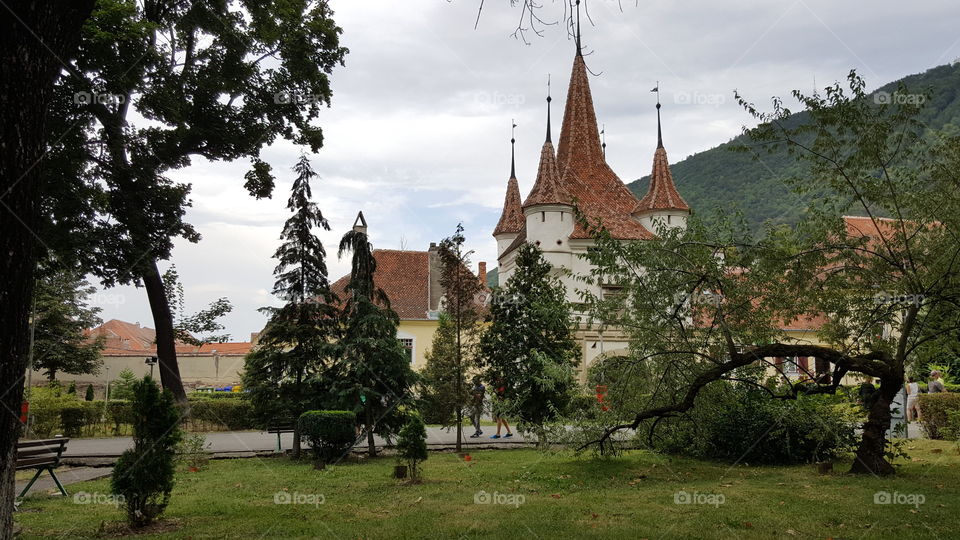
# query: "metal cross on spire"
{"points": [[513, 144]]}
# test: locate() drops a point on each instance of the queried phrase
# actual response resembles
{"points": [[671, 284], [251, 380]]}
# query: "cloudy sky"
{"points": [[418, 134]]}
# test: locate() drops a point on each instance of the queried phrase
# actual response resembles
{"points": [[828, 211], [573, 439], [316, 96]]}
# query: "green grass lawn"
{"points": [[537, 496]]}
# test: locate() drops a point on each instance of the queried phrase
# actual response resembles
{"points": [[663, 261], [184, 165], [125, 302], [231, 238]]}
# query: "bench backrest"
{"points": [[280, 425], [32, 454]]}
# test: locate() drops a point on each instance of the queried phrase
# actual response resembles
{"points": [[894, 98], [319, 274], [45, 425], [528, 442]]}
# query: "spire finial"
{"points": [[513, 144], [579, 49], [549, 99], [659, 131], [603, 134]]}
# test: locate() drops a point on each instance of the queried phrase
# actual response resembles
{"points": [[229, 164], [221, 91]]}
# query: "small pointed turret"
{"points": [[662, 195], [548, 188], [511, 219]]}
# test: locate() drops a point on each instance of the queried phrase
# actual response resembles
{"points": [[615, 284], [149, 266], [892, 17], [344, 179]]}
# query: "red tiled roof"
{"points": [[662, 194], [404, 276], [511, 220], [128, 339], [547, 189]]}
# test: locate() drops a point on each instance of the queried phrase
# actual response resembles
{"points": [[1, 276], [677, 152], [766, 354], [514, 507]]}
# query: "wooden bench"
{"points": [[279, 426], [43, 455]]}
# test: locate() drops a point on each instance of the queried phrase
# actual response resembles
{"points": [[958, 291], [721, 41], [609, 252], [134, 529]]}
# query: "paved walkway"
{"points": [[259, 441]]}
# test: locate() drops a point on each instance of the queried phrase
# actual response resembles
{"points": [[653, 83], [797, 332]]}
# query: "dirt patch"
{"points": [[119, 529]]}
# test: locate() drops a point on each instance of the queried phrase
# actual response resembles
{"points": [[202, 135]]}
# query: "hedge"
{"points": [[933, 411], [330, 433], [64, 414]]}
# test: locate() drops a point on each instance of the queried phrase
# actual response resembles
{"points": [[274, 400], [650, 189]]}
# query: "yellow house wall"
{"points": [[422, 334]]}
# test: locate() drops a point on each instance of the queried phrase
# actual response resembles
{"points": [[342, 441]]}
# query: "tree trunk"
{"points": [[459, 389], [163, 320], [34, 37], [870, 457], [371, 445]]}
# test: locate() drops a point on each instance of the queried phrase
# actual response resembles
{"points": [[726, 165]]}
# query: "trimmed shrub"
{"points": [[73, 417], [89, 395], [330, 433], [119, 413], [412, 444], [231, 414], [933, 411], [143, 475], [737, 423]]}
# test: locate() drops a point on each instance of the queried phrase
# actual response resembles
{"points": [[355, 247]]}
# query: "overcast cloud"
{"points": [[418, 135]]}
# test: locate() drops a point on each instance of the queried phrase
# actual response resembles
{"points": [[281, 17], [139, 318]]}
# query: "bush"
{"points": [[933, 411], [73, 417], [412, 444], [951, 431], [143, 475], [89, 395], [193, 452], [119, 413], [232, 414], [737, 423], [330, 433], [46, 403]]}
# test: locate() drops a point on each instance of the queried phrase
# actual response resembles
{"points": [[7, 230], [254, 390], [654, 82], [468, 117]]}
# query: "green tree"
{"points": [[62, 313], [375, 375], [122, 386], [461, 295], [204, 322], [144, 474], [441, 399], [283, 376], [88, 396], [705, 304], [529, 349], [412, 445], [213, 80], [36, 37]]}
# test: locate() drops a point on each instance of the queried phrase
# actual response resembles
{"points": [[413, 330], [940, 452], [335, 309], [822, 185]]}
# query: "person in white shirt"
{"points": [[913, 390]]}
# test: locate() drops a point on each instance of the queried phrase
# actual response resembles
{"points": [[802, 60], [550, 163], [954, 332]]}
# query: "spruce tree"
{"points": [[439, 384], [529, 348], [62, 312], [282, 375], [376, 374]]}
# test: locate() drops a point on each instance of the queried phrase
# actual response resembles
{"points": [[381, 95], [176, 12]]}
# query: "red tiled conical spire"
{"points": [[662, 193], [511, 220], [548, 188], [579, 138]]}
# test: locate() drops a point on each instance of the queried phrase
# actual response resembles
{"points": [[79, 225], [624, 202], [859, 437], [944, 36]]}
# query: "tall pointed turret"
{"points": [[662, 200], [511, 219], [547, 190]]}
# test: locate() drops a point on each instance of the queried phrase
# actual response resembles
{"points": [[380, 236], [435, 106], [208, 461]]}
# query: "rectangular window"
{"points": [[407, 344]]}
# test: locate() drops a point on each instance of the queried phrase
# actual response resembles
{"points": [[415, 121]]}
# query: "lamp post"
{"points": [[151, 361]]}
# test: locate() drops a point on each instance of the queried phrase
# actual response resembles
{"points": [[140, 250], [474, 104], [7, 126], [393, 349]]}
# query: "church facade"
{"points": [[575, 172]]}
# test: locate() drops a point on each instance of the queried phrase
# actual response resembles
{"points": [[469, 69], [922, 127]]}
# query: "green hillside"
{"points": [[723, 178]]}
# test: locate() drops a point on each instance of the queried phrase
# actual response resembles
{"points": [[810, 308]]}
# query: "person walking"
{"points": [[935, 386], [913, 390], [476, 394], [498, 406]]}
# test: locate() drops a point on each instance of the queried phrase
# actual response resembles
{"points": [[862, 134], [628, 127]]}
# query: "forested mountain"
{"points": [[722, 177]]}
